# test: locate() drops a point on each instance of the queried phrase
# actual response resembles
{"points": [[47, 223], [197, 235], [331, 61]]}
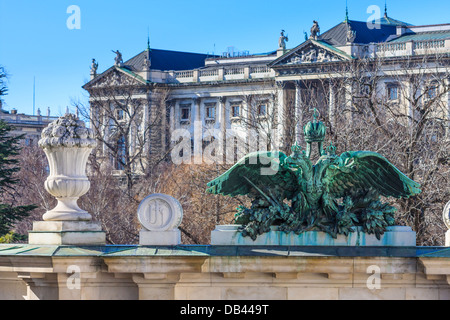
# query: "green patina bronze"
{"points": [[334, 195]]}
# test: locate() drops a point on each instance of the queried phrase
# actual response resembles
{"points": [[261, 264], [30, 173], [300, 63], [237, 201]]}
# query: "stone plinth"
{"points": [[160, 238], [67, 233], [447, 238], [160, 215], [394, 236]]}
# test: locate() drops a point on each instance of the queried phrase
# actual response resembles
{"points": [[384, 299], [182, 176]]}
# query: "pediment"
{"points": [[115, 77], [311, 52]]}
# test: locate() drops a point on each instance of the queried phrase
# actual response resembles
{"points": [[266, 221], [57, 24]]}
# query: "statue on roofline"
{"points": [[334, 195], [315, 30], [282, 40], [118, 61], [94, 67]]}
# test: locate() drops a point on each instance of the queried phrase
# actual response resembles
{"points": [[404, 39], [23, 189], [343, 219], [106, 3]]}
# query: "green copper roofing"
{"points": [[423, 36], [386, 20], [332, 48], [133, 74], [209, 250]]}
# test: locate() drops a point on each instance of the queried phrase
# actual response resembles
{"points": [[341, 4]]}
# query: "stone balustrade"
{"points": [[221, 74], [410, 48], [67, 258], [203, 272]]}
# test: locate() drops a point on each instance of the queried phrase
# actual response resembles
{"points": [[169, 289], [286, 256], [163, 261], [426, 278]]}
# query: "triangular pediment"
{"points": [[115, 77], [309, 52]]}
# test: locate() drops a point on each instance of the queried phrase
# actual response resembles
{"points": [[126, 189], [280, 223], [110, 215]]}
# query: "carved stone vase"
{"points": [[67, 144]]}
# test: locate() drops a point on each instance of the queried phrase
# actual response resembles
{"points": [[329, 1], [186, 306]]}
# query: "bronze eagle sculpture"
{"points": [[334, 195]]}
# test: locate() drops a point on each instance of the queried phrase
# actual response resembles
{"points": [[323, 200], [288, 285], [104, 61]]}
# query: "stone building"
{"points": [[213, 98], [29, 125]]}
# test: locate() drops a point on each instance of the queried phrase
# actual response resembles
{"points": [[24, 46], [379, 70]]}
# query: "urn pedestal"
{"points": [[67, 144], [395, 236]]}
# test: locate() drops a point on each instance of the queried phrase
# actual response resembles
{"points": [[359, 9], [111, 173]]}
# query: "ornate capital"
{"points": [[280, 84]]}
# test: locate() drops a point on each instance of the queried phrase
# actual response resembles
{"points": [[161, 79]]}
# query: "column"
{"points": [[164, 126], [280, 118], [349, 102], [198, 131], [447, 102], [171, 116], [332, 104], [222, 120], [298, 111], [144, 123]]}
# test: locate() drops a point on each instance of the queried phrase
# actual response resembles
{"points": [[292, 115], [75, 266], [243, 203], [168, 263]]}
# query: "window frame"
{"points": [[210, 106], [390, 87], [188, 107], [233, 107]]}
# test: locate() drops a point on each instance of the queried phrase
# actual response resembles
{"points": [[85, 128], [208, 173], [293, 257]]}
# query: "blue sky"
{"points": [[36, 42]]}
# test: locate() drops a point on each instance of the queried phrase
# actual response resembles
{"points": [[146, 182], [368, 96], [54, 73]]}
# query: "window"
{"points": [[119, 114], [262, 110], [392, 91], [185, 112], [210, 111], [235, 111], [432, 90]]}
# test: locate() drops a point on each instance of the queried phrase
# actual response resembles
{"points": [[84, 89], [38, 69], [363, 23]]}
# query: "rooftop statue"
{"points": [[118, 58], [282, 40], [315, 30], [334, 195], [94, 66]]}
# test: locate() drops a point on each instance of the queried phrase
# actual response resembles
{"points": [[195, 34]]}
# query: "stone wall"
{"points": [[223, 272]]}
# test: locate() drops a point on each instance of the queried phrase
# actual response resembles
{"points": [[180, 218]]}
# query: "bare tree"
{"points": [[130, 122], [399, 108]]}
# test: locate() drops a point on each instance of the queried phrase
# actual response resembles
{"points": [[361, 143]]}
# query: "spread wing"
{"points": [[262, 170], [365, 170]]}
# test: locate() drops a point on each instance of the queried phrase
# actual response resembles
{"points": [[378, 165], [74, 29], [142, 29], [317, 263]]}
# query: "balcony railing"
{"points": [[412, 48], [221, 74]]}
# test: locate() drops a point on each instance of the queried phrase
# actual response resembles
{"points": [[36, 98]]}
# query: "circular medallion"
{"points": [[160, 212], [446, 215]]}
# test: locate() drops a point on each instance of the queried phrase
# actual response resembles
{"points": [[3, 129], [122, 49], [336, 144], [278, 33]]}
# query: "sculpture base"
{"points": [[394, 236], [67, 233], [160, 238], [447, 238]]}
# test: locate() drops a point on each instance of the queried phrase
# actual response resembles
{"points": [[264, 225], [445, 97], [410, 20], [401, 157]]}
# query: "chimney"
{"points": [[401, 30]]}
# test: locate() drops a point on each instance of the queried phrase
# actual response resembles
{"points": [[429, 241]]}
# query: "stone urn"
{"points": [[67, 144]]}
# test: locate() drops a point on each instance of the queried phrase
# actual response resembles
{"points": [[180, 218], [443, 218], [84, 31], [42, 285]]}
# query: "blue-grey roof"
{"points": [[167, 60], [364, 33]]}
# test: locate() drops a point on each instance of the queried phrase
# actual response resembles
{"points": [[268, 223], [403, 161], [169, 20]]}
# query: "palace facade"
{"points": [[30, 126], [163, 97]]}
